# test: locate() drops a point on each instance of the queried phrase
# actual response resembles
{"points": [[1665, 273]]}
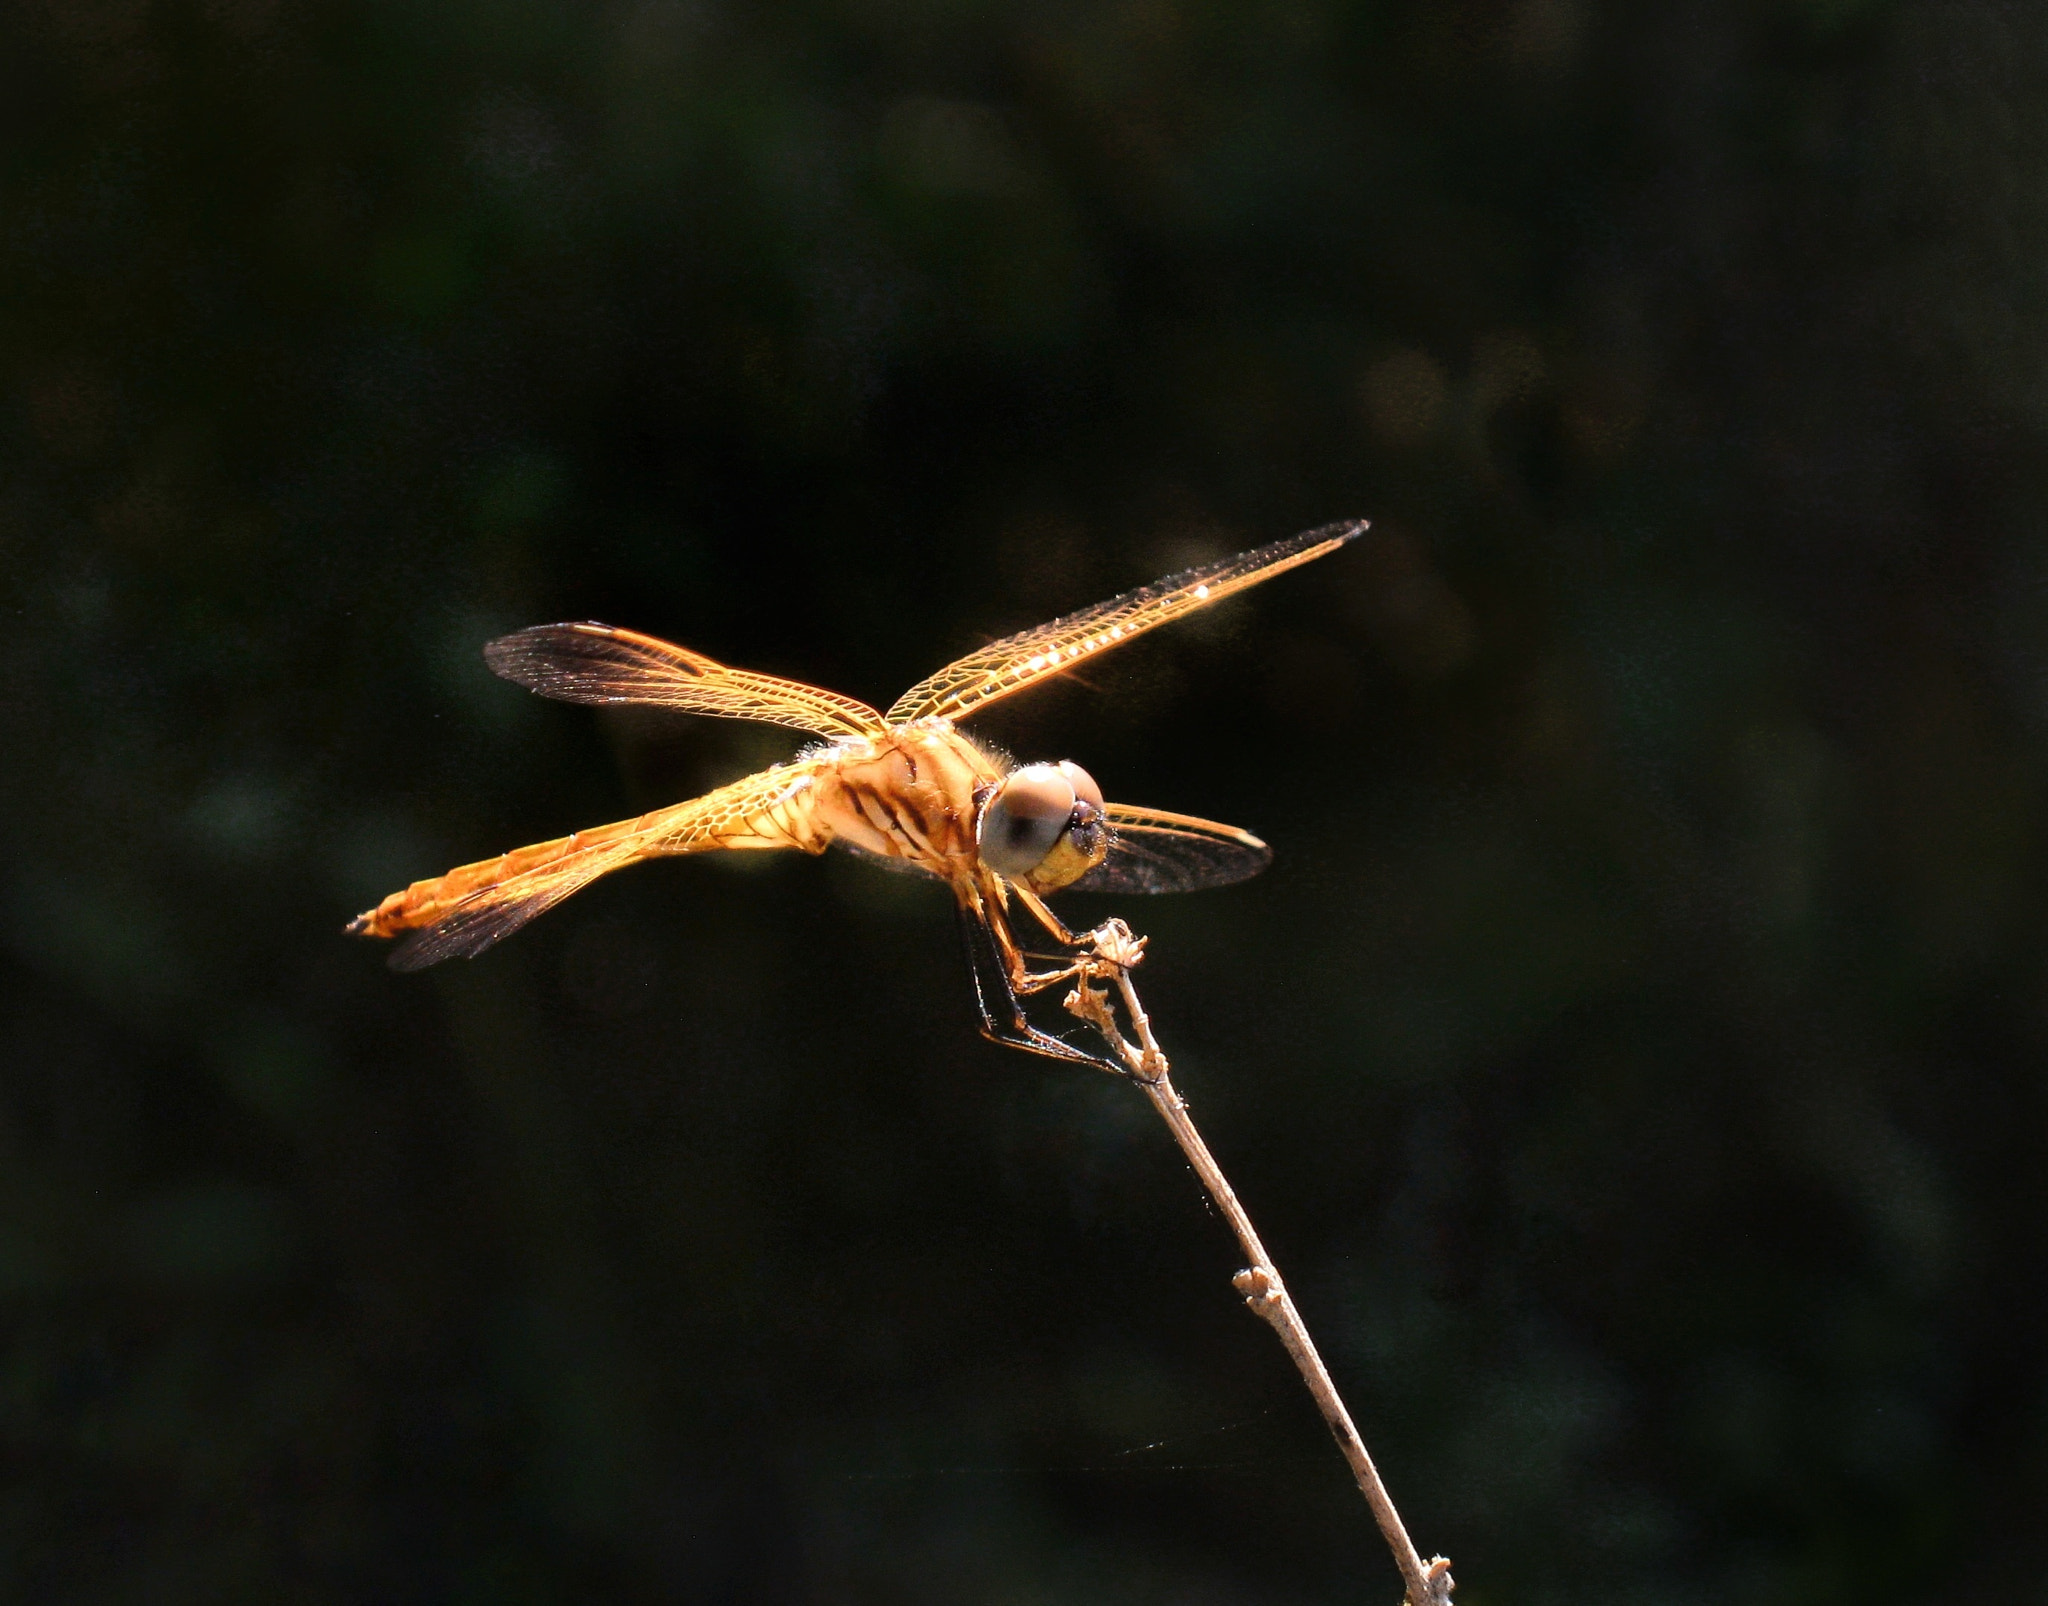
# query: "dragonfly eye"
{"points": [[1044, 826]]}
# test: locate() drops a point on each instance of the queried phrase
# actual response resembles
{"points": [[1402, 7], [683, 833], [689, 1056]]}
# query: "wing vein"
{"points": [[1154, 850], [594, 663], [1009, 665]]}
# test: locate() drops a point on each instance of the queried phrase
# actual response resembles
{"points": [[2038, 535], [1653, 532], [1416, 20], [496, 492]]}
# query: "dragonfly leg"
{"points": [[1055, 927], [1026, 981], [1110, 943], [1068, 968], [996, 993]]}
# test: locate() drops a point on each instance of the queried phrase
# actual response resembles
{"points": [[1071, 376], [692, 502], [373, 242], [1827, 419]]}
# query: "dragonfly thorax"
{"points": [[910, 795]]}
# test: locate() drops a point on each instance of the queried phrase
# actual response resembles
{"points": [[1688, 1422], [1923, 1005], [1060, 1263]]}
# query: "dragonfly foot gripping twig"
{"points": [[1114, 949]]}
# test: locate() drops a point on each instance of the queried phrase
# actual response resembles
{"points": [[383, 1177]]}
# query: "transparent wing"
{"points": [[594, 663], [1018, 661], [1154, 851], [492, 913], [460, 914]]}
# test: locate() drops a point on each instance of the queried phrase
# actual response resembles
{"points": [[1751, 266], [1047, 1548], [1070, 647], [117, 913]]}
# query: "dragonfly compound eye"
{"points": [[1044, 826]]}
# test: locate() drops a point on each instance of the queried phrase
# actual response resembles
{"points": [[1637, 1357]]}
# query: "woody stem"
{"points": [[1428, 1584]]}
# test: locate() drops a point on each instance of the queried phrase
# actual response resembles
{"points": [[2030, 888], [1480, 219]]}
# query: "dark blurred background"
{"points": [[1637, 1054]]}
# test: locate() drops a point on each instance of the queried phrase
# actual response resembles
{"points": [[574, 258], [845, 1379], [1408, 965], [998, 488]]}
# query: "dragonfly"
{"points": [[907, 788]]}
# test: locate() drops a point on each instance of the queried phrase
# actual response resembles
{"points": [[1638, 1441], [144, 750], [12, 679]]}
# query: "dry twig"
{"points": [[1114, 951]]}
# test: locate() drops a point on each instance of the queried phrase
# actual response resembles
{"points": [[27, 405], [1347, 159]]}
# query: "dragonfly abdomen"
{"points": [[474, 906], [425, 902]]}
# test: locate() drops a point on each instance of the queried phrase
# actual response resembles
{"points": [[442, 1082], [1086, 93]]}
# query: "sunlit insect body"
{"points": [[907, 788]]}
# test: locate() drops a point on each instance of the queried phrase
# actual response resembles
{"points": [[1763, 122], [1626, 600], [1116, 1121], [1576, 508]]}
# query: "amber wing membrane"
{"points": [[1154, 851], [594, 663], [460, 914], [1021, 660]]}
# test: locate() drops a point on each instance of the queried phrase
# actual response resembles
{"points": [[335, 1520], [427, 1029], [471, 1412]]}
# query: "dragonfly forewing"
{"points": [[594, 663], [1009, 665]]}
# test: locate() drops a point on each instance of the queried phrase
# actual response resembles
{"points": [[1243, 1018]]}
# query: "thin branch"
{"points": [[1115, 950]]}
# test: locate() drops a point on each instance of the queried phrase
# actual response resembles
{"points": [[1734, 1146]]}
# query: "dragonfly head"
{"points": [[1043, 826]]}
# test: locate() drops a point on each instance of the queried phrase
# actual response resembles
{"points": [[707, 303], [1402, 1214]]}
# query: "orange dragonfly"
{"points": [[906, 788]]}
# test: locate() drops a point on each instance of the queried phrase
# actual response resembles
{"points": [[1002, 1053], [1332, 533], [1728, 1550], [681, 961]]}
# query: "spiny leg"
{"points": [[991, 896], [1055, 926], [995, 996], [1090, 956]]}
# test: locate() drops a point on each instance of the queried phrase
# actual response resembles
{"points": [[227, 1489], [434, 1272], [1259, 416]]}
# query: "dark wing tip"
{"points": [[436, 943], [511, 655], [588, 662], [1255, 860], [1342, 530]]}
